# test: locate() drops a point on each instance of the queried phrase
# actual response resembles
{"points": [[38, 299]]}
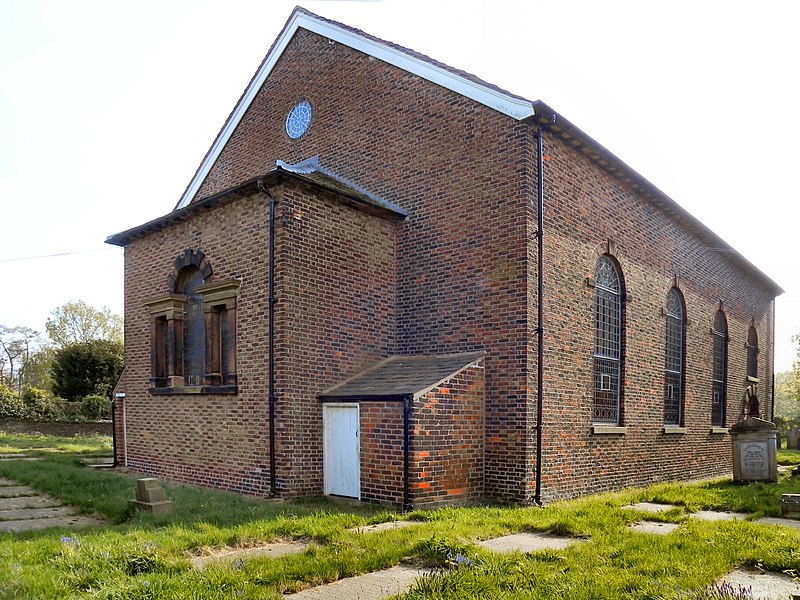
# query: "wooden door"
{"points": [[341, 450]]}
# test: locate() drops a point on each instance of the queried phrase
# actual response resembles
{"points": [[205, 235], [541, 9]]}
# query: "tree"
{"points": [[78, 322], [37, 370], [87, 368], [17, 344]]}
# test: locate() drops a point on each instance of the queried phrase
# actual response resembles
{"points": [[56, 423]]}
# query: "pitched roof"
{"points": [[403, 376], [308, 171], [403, 58], [473, 87]]}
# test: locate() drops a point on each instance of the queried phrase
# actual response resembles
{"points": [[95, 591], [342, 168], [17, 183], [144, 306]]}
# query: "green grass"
{"points": [[138, 555], [788, 457], [38, 445]]}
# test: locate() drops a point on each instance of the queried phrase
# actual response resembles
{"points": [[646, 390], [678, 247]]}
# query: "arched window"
{"points": [[752, 353], [720, 372], [193, 331], [194, 328], [608, 347], [675, 354]]}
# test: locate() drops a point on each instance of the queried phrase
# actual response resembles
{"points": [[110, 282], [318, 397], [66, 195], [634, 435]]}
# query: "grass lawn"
{"points": [[144, 556]]}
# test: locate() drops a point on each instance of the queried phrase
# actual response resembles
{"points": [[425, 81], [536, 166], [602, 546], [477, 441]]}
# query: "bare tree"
{"points": [[16, 347]]}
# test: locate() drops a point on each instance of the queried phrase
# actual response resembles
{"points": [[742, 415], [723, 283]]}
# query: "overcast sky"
{"points": [[107, 108]]}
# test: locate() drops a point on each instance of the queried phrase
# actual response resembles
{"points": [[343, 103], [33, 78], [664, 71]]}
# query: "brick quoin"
{"points": [[458, 275]]}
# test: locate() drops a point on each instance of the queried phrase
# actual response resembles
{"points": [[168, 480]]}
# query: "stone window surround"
{"points": [[167, 345]]}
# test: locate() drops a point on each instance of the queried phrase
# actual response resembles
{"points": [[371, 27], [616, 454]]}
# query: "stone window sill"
{"points": [[209, 390], [674, 429], [609, 430], [719, 430]]}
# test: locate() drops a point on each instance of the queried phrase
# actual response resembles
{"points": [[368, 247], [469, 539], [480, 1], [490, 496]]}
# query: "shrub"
{"points": [[11, 405], [87, 369], [96, 407], [39, 404]]}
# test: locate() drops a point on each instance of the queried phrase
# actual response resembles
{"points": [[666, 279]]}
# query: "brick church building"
{"points": [[393, 281]]}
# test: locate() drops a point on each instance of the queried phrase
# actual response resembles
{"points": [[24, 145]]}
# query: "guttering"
{"points": [[271, 341]]}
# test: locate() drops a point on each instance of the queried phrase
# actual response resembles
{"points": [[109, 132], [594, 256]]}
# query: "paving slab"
{"points": [[41, 501], [36, 513], [15, 491], [777, 521], [35, 524], [372, 586], [764, 585], [389, 525], [650, 507], [653, 527], [714, 515], [4, 482], [231, 556], [528, 542]]}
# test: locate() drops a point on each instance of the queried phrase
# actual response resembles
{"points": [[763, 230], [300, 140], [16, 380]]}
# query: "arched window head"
{"points": [[608, 348], [752, 353], [675, 354], [720, 370]]}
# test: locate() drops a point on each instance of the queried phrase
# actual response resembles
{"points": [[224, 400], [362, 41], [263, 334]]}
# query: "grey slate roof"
{"points": [[400, 376]]}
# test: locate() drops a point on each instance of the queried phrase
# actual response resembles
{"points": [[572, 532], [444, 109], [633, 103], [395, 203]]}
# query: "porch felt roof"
{"points": [[402, 376]]}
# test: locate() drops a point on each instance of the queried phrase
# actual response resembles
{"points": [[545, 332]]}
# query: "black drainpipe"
{"points": [[271, 342], [114, 430], [406, 453], [539, 308]]}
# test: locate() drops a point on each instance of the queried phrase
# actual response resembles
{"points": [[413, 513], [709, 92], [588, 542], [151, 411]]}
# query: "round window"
{"points": [[299, 120]]}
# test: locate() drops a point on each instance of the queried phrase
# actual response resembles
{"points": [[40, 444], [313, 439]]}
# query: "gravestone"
{"points": [[790, 506], [754, 450], [150, 496], [793, 439]]}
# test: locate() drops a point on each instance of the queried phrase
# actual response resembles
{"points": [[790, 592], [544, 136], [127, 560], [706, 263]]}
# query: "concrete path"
{"points": [[22, 508], [528, 542], [229, 557], [372, 586]]}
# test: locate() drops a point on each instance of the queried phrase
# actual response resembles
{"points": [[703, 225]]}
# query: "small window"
{"points": [[720, 369], [675, 355], [608, 347], [752, 353]]}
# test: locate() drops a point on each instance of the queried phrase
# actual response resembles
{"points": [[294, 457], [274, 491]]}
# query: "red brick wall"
{"points": [[335, 280], [382, 452], [585, 208], [458, 275], [219, 441], [461, 169], [447, 459]]}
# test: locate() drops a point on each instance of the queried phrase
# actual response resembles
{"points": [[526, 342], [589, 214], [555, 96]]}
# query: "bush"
{"points": [[11, 405], [39, 404], [95, 407], [87, 369]]}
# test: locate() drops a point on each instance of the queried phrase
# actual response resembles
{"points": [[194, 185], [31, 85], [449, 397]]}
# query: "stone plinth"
{"points": [[790, 506], [755, 446], [151, 497]]}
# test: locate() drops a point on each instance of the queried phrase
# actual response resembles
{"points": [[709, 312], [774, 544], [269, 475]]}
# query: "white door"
{"points": [[341, 450]]}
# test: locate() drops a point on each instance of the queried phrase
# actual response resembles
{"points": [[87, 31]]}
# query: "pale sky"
{"points": [[108, 107]]}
